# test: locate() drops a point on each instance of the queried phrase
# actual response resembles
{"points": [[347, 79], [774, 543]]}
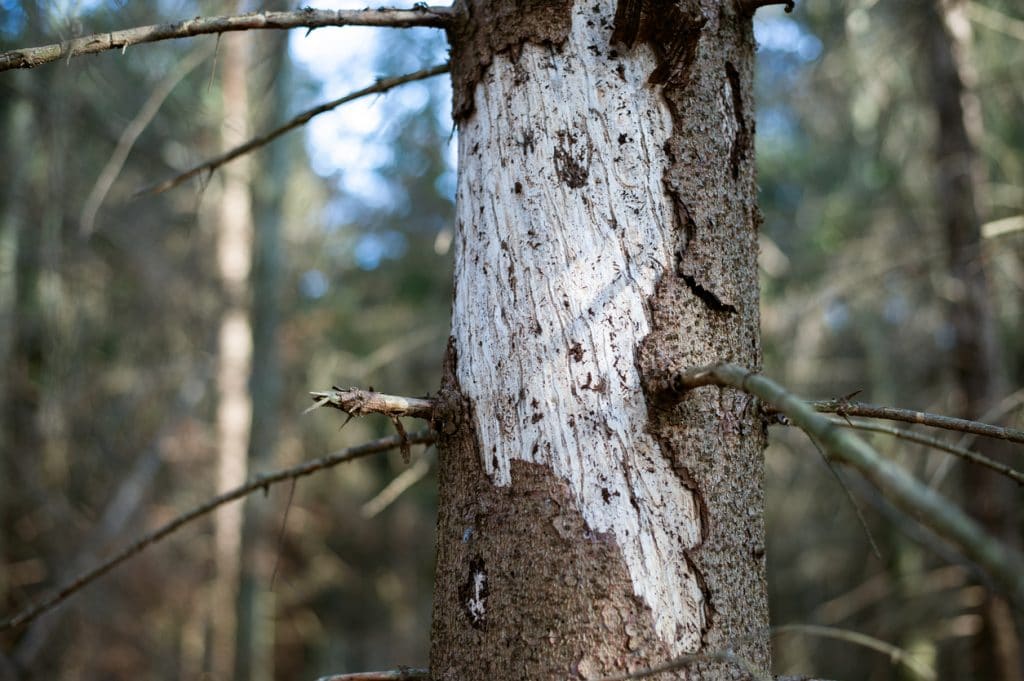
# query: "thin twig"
{"points": [[935, 443], [896, 654], [400, 674], [875, 411], [262, 481], [381, 86], [280, 534], [357, 402], [105, 180], [30, 57], [995, 20], [852, 499], [995, 413], [394, 489], [400, 429], [1004, 564]]}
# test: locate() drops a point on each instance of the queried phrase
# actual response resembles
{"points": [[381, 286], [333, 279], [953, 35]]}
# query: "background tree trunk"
{"points": [[257, 603], [606, 229], [234, 407], [978, 370]]}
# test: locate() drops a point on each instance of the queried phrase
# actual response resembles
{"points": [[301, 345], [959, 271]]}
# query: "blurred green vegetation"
{"points": [[108, 340]]}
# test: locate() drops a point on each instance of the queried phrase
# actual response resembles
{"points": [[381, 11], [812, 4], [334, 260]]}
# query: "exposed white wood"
{"points": [[563, 230]]}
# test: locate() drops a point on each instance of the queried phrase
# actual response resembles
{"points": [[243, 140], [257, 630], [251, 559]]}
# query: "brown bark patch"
{"points": [[540, 595], [485, 28], [704, 56], [673, 31], [706, 310], [524, 588]]}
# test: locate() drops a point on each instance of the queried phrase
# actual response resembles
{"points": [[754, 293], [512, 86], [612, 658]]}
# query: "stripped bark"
{"points": [[606, 226]]}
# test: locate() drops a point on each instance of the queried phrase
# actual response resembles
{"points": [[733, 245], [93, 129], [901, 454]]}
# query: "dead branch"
{"points": [[874, 411], [400, 674], [115, 163], [935, 443], [1004, 564], [260, 482], [357, 402], [394, 489], [30, 57], [894, 653], [381, 86]]}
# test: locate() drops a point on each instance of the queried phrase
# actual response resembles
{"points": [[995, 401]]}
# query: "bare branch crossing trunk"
{"points": [[606, 228]]}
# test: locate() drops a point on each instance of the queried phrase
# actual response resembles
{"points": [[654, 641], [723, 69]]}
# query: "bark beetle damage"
{"points": [[474, 592], [704, 309], [484, 28], [674, 39], [707, 297], [742, 141], [687, 480], [673, 31], [689, 230], [572, 159]]}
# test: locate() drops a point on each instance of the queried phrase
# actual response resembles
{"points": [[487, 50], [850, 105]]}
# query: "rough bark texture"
{"points": [[606, 228]]}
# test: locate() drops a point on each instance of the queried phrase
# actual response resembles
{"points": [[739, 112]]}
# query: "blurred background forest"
{"points": [[129, 390]]}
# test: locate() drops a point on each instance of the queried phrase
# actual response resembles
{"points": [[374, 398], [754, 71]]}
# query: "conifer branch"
{"points": [[105, 180], [381, 86], [400, 674], [846, 408], [30, 57], [935, 443], [896, 654], [1004, 564]]}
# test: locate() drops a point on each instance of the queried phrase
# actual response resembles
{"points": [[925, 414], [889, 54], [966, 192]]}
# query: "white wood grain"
{"points": [[553, 277]]}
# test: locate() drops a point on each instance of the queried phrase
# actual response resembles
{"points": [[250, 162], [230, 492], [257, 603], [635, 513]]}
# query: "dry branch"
{"points": [[262, 481], [875, 411], [401, 674], [394, 489], [381, 86], [357, 402], [30, 57], [894, 653], [115, 163], [935, 443], [1004, 564]]}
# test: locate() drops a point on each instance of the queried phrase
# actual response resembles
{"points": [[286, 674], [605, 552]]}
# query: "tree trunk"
{"points": [[234, 407], [606, 229], [257, 603], [990, 497]]}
